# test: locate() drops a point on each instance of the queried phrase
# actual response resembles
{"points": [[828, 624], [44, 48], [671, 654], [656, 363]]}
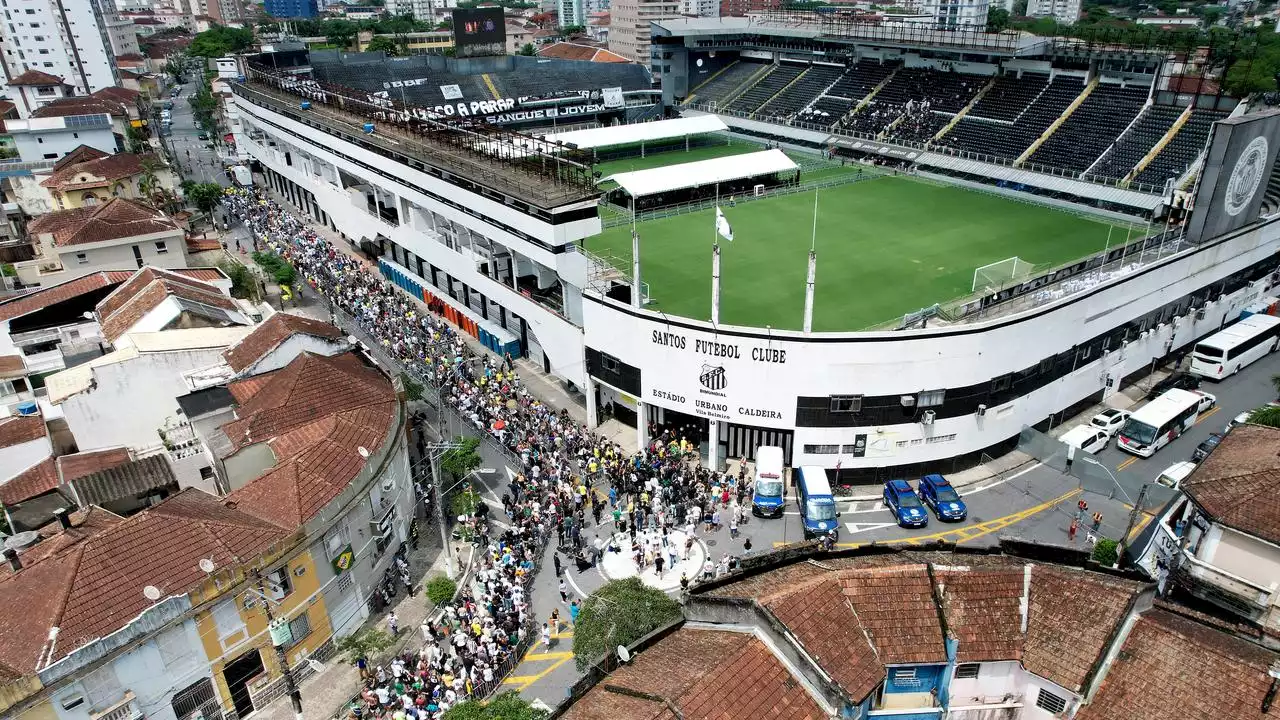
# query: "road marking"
{"points": [[973, 532], [1207, 413], [877, 506], [573, 584], [1129, 461], [855, 528], [1002, 481]]}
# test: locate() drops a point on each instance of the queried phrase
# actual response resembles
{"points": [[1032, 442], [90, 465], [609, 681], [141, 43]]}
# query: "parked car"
{"points": [[905, 504], [203, 135], [1206, 400], [1204, 449], [1240, 419], [1110, 420], [1178, 380], [938, 494], [1087, 438]]}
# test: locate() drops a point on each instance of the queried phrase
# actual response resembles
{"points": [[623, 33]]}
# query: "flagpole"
{"points": [[636, 300], [715, 262], [813, 268]]}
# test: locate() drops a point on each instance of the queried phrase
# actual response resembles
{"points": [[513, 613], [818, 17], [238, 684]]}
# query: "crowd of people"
{"points": [[567, 473]]}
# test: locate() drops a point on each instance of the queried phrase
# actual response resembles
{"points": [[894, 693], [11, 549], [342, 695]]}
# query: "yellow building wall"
{"points": [[21, 689], [75, 198], [305, 598]]}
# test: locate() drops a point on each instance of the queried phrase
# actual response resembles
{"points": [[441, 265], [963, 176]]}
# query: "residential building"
{"points": [[432, 41], [956, 14], [598, 26], [195, 642], [291, 9], [571, 12], [425, 10], [121, 33], [700, 8], [50, 138], [33, 89], [69, 39], [629, 29], [518, 35], [1064, 11], [88, 176], [116, 234], [24, 442], [947, 633], [124, 106], [740, 8]]}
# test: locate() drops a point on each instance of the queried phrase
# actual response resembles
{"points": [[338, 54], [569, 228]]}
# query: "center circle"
{"points": [[622, 564]]}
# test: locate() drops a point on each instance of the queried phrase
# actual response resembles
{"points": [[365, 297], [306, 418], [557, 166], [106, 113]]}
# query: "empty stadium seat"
{"points": [[1091, 129], [765, 88], [1009, 96], [1182, 149], [1135, 143], [1008, 140], [726, 84], [802, 92]]}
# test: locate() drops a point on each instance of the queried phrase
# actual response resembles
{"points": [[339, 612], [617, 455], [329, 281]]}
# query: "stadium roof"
{"points": [[1106, 193], [641, 132], [704, 172]]}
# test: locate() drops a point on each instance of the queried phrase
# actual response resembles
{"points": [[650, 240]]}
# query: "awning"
{"points": [[641, 132], [640, 183]]}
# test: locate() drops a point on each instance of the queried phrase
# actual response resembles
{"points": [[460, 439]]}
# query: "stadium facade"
{"points": [[488, 231]]}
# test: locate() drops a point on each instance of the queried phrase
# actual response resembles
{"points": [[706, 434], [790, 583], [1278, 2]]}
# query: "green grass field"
{"points": [[886, 247]]}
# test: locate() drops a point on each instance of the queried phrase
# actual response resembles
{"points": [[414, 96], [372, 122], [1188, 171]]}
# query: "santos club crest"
{"points": [[1246, 176]]}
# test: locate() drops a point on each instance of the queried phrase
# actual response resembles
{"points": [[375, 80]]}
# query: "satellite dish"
{"points": [[364, 453], [207, 566], [624, 654], [151, 592]]}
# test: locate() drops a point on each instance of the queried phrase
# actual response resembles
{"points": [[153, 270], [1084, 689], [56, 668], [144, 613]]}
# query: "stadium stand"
{"points": [[826, 110], [765, 88], [803, 91], [912, 101], [1091, 129], [1183, 148], [723, 86], [1134, 145], [1010, 95], [860, 80], [1008, 141]]}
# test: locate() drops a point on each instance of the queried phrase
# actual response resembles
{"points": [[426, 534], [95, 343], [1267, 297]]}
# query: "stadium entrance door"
{"points": [[741, 441]]}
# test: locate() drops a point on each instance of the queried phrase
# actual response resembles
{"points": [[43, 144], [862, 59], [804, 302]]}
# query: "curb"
{"points": [[960, 485]]}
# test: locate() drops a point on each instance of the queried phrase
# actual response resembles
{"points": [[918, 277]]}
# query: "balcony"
{"points": [[45, 362], [126, 709], [1240, 595]]}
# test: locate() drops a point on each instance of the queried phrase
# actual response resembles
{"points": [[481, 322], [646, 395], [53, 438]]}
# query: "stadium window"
{"points": [[1046, 700], [967, 671], [609, 363], [846, 403], [930, 398], [822, 449], [1000, 384], [939, 439]]}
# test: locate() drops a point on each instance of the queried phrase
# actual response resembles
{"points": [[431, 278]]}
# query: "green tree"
{"points": [[1251, 75], [463, 459], [412, 388], [619, 613], [362, 646], [382, 43], [440, 590], [244, 285], [528, 50], [1019, 8], [340, 32], [569, 30], [136, 138], [1211, 14], [205, 196], [1268, 415], [997, 19], [175, 69], [149, 181], [1104, 552], [507, 706], [220, 41]]}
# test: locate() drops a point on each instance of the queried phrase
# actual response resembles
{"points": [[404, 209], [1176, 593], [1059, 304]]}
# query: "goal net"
{"points": [[996, 274]]}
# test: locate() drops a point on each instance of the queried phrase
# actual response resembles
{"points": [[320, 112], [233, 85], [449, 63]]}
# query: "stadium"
{"points": [[929, 239]]}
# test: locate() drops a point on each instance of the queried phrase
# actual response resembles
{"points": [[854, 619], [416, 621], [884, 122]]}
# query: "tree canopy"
{"points": [[507, 706], [220, 41], [619, 613], [384, 44]]}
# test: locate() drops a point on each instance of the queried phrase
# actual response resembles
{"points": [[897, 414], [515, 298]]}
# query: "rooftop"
{"points": [[21, 429], [53, 294], [35, 77], [115, 219], [95, 172], [50, 473], [653, 181], [121, 311], [270, 334], [1237, 484], [577, 51]]}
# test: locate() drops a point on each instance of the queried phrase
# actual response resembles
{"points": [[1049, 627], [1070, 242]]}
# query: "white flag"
{"points": [[722, 225]]}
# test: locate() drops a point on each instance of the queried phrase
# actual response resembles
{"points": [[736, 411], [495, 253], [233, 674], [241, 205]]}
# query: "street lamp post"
{"points": [[1094, 461]]}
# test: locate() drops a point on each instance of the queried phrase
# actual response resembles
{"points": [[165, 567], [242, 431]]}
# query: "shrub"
{"points": [[1104, 552], [440, 589]]}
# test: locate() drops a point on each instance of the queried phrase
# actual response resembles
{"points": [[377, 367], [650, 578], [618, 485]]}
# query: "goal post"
{"points": [[993, 275]]}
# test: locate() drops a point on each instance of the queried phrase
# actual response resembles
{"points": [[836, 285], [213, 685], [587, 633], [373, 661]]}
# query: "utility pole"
{"points": [[278, 640], [434, 452], [1133, 520]]}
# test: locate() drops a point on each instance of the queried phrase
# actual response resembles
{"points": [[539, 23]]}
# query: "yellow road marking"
{"points": [[1138, 526], [973, 532], [1208, 412], [534, 654], [1129, 461], [524, 681]]}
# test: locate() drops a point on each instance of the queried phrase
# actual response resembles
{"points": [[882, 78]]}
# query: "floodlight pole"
{"points": [[636, 301], [715, 262], [813, 268]]}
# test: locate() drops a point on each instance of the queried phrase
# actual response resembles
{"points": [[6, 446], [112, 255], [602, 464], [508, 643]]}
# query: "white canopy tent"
{"points": [[640, 183], [640, 132]]}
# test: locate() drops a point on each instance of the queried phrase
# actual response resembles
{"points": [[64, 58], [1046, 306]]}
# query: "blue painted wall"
{"points": [[926, 678]]}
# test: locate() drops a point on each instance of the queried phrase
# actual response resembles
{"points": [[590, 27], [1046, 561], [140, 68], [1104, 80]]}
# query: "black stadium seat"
{"points": [[1091, 129], [722, 86], [764, 89], [1183, 148], [801, 93], [1135, 143], [1008, 140]]}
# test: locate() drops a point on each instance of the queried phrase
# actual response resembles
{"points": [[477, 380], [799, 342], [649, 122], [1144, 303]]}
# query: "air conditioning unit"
{"points": [[926, 418], [907, 400], [982, 410]]}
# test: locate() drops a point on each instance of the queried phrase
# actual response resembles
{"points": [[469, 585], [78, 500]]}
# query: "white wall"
{"points": [[1242, 555], [72, 39], [1031, 690], [36, 146], [105, 256], [17, 459], [994, 681], [297, 344], [908, 362], [132, 399]]}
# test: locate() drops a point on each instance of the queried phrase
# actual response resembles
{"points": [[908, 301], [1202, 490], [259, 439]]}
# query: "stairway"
{"points": [[703, 84], [867, 100], [1084, 94], [1155, 150], [965, 110]]}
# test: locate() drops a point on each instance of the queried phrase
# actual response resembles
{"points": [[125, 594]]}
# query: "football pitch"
{"points": [[886, 246]]}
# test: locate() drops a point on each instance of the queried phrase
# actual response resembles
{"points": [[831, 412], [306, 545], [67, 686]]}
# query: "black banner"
{"points": [[479, 31]]}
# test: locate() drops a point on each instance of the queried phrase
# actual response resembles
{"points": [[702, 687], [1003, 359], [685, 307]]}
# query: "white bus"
{"points": [[1158, 422], [1225, 352]]}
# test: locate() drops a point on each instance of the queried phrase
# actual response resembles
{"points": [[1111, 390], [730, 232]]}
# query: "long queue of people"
{"points": [[476, 638]]}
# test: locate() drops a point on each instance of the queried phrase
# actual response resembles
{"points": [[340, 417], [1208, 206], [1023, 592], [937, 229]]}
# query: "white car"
{"points": [[1087, 437], [1206, 400], [1110, 420]]}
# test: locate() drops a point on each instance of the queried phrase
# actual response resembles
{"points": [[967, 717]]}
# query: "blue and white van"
{"points": [[768, 495], [817, 504]]}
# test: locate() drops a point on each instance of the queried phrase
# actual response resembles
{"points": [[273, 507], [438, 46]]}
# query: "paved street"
{"points": [[193, 155]]}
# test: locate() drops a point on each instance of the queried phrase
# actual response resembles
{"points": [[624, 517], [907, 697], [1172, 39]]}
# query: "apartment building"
{"points": [[69, 39]]}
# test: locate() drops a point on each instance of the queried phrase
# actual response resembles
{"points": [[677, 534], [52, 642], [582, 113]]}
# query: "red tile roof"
{"points": [[120, 311], [91, 173], [82, 153], [1071, 619], [705, 674], [35, 77], [317, 412], [78, 465], [1173, 667], [1237, 484], [983, 607], [36, 481], [91, 588], [895, 606], [115, 219], [54, 294], [114, 101], [12, 366], [21, 429], [207, 274], [829, 630], [270, 334], [577, 51]]}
